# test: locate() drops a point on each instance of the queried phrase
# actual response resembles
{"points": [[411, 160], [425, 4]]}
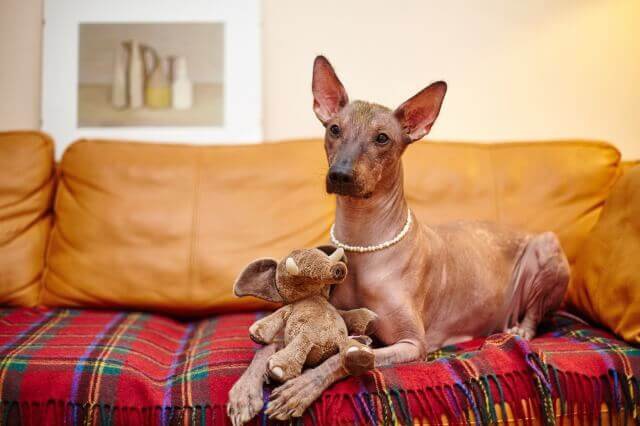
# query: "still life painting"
{"points": [[168, 71], [151, 74]]}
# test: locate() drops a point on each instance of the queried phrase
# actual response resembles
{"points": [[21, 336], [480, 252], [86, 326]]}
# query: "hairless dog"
{"points": [[431, 285]]}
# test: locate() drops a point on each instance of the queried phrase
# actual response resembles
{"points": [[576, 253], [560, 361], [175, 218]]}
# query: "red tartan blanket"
{"points": [[100, 367]]}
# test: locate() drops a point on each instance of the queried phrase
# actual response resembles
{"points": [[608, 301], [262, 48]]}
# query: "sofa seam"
{"points": [[56, 181]]}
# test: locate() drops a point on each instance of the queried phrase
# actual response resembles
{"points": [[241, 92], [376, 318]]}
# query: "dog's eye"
{"points": [[382, 139], [335, 130]]}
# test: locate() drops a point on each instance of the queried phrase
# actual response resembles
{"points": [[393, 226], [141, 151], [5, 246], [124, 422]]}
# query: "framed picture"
{"points": [[163, 70]]}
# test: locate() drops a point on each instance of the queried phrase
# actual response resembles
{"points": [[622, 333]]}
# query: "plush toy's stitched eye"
{"points": [[335, 130], [382, 139]]}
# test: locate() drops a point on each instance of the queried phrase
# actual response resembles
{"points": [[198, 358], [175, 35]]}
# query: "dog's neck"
{"points": [[370, 221]]}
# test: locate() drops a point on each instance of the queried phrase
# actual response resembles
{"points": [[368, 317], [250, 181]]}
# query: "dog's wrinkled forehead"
{"points": [[367, 112], [366, 115]]}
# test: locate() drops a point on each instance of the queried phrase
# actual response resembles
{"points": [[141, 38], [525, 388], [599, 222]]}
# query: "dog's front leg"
{"points": [[293, 397], [245, 397]]}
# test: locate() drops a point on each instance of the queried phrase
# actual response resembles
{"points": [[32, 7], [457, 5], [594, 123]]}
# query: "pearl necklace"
{"points": [[367, 249]]}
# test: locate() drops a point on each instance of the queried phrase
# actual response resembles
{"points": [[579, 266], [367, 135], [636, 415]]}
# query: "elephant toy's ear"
{"points": [[259, 279], [333, 251]]}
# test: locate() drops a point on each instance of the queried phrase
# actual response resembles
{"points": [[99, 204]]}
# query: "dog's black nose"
{"points": [[341, 175]]}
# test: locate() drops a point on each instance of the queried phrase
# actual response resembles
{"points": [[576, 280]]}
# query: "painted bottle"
{"points": [[157, 90], [181, 88], [135, 75], [119, 83]]}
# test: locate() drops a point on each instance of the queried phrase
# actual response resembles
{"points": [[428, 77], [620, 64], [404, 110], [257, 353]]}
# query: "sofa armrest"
{"points": [[26, 191], [606, 282]]}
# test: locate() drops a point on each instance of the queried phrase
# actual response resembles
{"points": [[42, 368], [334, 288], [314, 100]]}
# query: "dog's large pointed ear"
{"points": [[259, 279], [329, 95], [418, 114]]}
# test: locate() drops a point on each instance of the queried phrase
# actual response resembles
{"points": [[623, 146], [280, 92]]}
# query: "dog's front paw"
{"points": [[292, 398], [245, 400]]}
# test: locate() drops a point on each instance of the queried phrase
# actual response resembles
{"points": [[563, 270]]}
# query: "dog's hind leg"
{"points": [[540, 281]]}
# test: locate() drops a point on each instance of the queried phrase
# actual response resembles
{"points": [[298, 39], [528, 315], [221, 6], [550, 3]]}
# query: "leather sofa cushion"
{"points": [[607, 273], [537, 186], [26, 188], [168, 228]]}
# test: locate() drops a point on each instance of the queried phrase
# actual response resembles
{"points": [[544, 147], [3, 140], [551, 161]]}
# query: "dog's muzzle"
{"points": [[341, 180]]}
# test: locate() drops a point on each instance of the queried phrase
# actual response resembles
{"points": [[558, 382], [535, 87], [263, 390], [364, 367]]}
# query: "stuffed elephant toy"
{"points": [[313, 329]]}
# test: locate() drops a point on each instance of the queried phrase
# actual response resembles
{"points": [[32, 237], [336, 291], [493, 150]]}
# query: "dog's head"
{"points": [[364, 141]]}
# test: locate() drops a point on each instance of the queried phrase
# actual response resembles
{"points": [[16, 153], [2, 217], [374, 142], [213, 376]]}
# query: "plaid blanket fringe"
{"points": [[559, 374], [68, 413], [483, 400]]}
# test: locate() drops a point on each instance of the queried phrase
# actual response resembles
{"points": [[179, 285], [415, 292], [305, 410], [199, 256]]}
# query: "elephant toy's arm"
{"points": [[266, 329], [356, 355], [360, 322]]}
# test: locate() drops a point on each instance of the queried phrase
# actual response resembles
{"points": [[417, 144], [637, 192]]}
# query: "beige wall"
{"points": [[20, 43], [516, 70]]}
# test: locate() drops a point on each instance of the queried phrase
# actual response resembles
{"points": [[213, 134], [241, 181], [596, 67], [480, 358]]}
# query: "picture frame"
{"points": [[241, 118]]}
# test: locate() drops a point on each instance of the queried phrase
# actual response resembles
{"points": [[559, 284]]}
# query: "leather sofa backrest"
{"points": [[168, 228]]}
